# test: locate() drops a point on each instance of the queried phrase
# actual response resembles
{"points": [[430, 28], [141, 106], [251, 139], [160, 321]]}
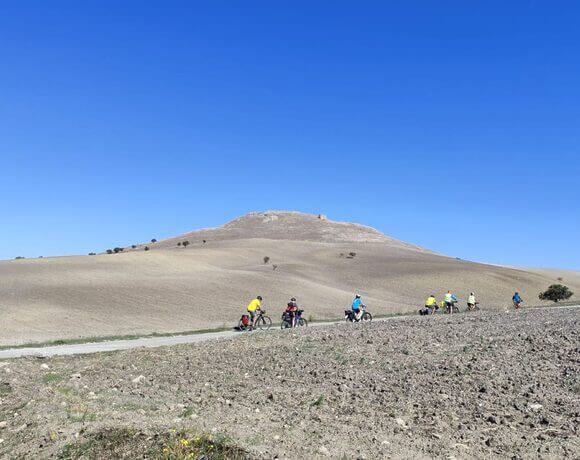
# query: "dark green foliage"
{"points": [[556, 292], [109, 251], [179, 243], [185, 243], [146, 248], [154, 240], [266, 259], [133, 246], [92, 253], [204, 241], [19, 257], [117, 250]]}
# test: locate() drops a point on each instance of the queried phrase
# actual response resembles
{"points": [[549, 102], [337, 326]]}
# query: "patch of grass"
{"points": [[187, 412], [129, 443], [51, 377], [5, 388], [319, 402]]}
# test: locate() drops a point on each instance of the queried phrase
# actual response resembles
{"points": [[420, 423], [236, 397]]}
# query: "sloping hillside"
{"points": [[171, 288]]}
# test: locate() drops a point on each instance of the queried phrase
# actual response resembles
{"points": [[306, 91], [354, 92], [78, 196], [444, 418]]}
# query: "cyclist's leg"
{"points": [[252, 318]]}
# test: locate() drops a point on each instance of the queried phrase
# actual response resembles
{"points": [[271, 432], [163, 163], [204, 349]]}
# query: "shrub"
{"points": [[117, 250], [133, 246], [341, 254], [146, 248], [274, 267], [179, 243], [92, 253], [555, 293], [19, 257], [185, 243], [266, 259], [109, 251], [560, 278], [204, 241], [352, 254], [154, 240]]}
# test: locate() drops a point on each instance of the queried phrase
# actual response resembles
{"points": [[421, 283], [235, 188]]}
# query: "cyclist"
{"points": [[292, 308], [252, 307], [517, 300], [356, 304], [430, 304], [450, 300], [471, 301]]}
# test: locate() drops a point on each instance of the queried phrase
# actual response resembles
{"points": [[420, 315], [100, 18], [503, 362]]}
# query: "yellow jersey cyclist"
{"points": [[252, 307]]}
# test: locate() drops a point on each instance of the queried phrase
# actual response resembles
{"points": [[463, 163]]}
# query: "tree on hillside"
{"points": [[556, 292], [109, 251], [266, 259], [185, 243], [154, 240], [179, 243], [146, 248]]}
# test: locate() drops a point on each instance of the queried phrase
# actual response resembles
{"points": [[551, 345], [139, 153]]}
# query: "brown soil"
{"points": [[479, 385]]}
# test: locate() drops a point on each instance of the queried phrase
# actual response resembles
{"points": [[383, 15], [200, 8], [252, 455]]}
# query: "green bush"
{"points": [[154, 240], [109, 251], [146, 248], [185, 243], [133, 246], [266, 259], [556, 292]]}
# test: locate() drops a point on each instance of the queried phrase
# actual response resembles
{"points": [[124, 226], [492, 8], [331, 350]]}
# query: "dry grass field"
{"points": [[170, 288]]}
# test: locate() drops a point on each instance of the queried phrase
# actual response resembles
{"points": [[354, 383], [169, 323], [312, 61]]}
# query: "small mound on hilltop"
{"points": [[293, 226]]}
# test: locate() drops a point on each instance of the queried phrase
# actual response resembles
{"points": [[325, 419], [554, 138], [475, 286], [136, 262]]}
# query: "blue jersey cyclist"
{"points": [[356, 306]]}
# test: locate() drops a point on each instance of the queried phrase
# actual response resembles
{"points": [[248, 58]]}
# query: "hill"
{"points": [[170, 288]]}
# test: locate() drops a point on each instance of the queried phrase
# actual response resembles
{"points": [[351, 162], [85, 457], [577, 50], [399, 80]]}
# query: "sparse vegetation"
{"points": [[179, 243], [185, 243], [556, 292], [560, 278], [92, 253], [154, 240], [146, 248], [117, 250], [203, 241], [274, 267], [109, 251], [133, 246], [266, 259], [19, 257], [341, 254]]}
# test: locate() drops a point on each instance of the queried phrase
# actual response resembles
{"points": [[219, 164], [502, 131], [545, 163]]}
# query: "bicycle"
{"points": [[472, 307], [298, 320], [262, 322], [350, 315]]}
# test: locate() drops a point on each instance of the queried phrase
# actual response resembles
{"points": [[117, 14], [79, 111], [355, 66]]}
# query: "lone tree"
{"points": [[556, 292], [266, 259], [133, 246], [154, 240], [179, 243], [117, 250], [146, 248], [185, 243], [109, 251]]}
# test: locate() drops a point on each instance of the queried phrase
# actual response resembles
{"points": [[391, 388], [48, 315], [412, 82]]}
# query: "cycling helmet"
{"points": [[259, 297], [357, 296]]}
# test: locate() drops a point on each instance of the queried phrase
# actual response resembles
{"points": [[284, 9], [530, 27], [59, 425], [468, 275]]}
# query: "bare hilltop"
{"points": [[169, 286]]}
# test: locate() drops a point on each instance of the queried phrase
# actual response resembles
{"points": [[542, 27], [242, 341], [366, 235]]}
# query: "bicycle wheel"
{"points": [[285, 325], [263, 323], [302, 322], [366, 316]]}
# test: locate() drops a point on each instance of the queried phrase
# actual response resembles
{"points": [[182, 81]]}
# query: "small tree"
{"points": [[146, 248], [92, 253], [185, 243], [274, 267], [204, 241], [555, 293], [19, 257], [117, 250], [179, 243], [266, 259], [133, 246], [352, 254], [560, 278], [109, 251], [154, 240]]}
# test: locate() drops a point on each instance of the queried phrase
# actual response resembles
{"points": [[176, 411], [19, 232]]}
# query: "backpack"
{"points": [[245, 320]]}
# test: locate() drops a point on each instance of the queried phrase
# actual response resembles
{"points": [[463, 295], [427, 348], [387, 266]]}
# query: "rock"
{"points": [[492, 419], [535, 407], [138, 379], [323, 451], [401, 423], [3, 424], [276, 438], [257, 411], [385, 443], [75, 376], [44, 366]]}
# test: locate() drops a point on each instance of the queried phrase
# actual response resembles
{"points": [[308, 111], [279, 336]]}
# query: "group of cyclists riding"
{"points": [[292, 316], [448, 304], [293, 313]]}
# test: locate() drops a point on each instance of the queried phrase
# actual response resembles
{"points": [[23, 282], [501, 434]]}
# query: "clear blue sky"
{"points": [[451, 124]]}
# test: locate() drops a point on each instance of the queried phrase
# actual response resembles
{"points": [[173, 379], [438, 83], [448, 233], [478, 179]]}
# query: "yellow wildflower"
{"points": [[184, 442]]}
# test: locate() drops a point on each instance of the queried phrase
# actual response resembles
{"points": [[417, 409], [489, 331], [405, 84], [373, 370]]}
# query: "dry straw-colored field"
{"points": [[207, 284]]}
